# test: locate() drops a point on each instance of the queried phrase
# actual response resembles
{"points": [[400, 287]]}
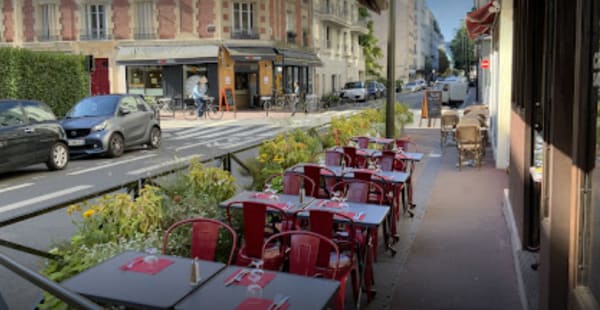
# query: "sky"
{"points": [[448, 14]]}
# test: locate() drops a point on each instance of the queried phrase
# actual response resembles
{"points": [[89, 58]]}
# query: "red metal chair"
{"points": [[255, 224], [363, 142], [303, 252], [322, 222], [205, 234], [322, 177], [332, 157], [292, 182]]}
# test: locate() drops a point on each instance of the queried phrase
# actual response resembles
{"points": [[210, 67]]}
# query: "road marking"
{"points": [[24, 203], [111, 164], [164, 164], [12, 188], [208, 133], [245, 133]]}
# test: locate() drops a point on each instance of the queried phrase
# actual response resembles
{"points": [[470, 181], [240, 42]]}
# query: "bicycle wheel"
{"points": [[214, 112], [190, 113]]}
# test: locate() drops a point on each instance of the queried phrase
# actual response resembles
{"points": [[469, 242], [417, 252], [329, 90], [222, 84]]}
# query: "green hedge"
{"points": [[60, 80]]}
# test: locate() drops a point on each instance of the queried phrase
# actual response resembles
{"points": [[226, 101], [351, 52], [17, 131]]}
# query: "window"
{"points": [[10, 114], [48, 30], [38, 112], [144, 21], [243, 18], [95, 22]]}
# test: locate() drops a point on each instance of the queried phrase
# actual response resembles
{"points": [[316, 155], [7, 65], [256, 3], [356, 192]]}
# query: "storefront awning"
{"points": [[293, 57], [253, 53], [166, 55], [482, 20]]}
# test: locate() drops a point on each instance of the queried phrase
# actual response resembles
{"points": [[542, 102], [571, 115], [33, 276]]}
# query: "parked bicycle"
{"points": [[211, 110]]}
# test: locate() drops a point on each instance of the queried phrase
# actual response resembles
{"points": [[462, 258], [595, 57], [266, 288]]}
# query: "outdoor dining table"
{"points": [[290, 203], [303, 292], [125, 280]]}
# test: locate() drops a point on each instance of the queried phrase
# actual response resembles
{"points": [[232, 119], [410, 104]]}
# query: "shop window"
{"points": [[95, 27], [146, 81]]}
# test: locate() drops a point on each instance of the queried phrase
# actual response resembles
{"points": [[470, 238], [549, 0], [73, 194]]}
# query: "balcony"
{"points": [[334, 15], [144, 34], [245, 34]]}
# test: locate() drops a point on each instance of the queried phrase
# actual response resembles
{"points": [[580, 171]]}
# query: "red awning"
{"points": [[482, 20]]}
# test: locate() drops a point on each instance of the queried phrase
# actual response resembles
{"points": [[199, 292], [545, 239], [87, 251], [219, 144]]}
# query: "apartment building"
{"points": [[337, 27], [405, 39], [162, 47]]}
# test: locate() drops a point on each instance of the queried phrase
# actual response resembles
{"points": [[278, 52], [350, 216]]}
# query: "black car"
{"points": [[30, 134]]}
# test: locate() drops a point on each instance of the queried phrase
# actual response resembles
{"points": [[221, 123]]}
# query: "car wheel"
{"points": [[155, 138], [116, 145], [59, 156]]}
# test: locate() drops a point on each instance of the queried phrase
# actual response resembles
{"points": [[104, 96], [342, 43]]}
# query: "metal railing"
{"points": [[248, 34], [70, 298]]}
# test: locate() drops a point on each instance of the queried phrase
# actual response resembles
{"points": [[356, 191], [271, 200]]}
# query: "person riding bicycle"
{"points": [[199, 95], [296, 96]]}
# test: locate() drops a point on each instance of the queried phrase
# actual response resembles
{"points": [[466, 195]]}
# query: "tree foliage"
{"points": [[371, 50], [443, 62], [463, 49], [57, 79]]}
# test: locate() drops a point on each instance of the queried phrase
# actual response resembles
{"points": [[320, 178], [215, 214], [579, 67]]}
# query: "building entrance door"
{"points": [[100, 84]]}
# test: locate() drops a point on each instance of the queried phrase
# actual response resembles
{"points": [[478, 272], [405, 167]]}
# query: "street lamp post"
{"points": [[391, 73]]}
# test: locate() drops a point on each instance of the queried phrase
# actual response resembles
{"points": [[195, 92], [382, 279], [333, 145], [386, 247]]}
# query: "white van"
{"points": [[454, 89]]}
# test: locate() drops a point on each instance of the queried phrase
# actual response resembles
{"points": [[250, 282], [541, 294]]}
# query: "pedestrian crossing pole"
{"points": [[390, 130]]}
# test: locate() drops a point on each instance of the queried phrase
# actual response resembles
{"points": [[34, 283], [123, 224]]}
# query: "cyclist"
{"points": [[296, 97], [199, 95]]}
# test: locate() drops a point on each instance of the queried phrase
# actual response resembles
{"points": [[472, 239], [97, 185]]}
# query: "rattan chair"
{"points": [[468, 142], [449, 120]]}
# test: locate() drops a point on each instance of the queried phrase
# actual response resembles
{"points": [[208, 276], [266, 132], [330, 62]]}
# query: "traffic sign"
{"points": [[485, 63]]}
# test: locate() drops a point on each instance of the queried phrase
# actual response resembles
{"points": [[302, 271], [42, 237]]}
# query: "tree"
{"points": [[443, 62], [463, 50], [372, 52]]}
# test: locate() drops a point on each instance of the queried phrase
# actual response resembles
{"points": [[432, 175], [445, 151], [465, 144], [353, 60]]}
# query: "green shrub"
{"points": [[57, 79]]}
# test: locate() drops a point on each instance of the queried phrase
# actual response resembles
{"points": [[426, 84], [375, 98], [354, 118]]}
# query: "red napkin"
{"points": [[351, 215], [262, 196], [329, 204], [264, 280], [252, 303], [138, 265]]}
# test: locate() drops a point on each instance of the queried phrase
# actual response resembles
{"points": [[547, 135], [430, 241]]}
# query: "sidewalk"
{"points": [[455, 253]]}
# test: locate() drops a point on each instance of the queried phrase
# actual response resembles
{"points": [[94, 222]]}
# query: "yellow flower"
{"points": [[89, 213]]}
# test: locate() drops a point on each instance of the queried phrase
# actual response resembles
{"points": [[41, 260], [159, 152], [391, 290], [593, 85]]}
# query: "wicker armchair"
{"points": [[469, 142]]}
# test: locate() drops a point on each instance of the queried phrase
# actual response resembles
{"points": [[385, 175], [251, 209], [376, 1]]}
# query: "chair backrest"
{"points": [[321, 176], [449, 121], [205, 234], [387, 160], [351, 152], [468, 134], [305, 249], [363, 142], [254, 217], [291, 183]]}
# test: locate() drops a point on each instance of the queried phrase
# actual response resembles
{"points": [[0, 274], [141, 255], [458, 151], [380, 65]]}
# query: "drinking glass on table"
{"points": [[255, 290]]}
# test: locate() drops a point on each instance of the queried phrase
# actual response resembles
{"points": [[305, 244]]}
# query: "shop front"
{"points": [[248, 71], [168, 71]]}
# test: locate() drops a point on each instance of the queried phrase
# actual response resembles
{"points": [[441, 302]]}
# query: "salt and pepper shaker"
{"points": [[195, 272]]}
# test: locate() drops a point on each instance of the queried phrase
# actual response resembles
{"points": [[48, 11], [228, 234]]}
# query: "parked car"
{"points": [[355, 91], [454, 89], [108, 124], [30, 134], [374, 90], [415, 85]]}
